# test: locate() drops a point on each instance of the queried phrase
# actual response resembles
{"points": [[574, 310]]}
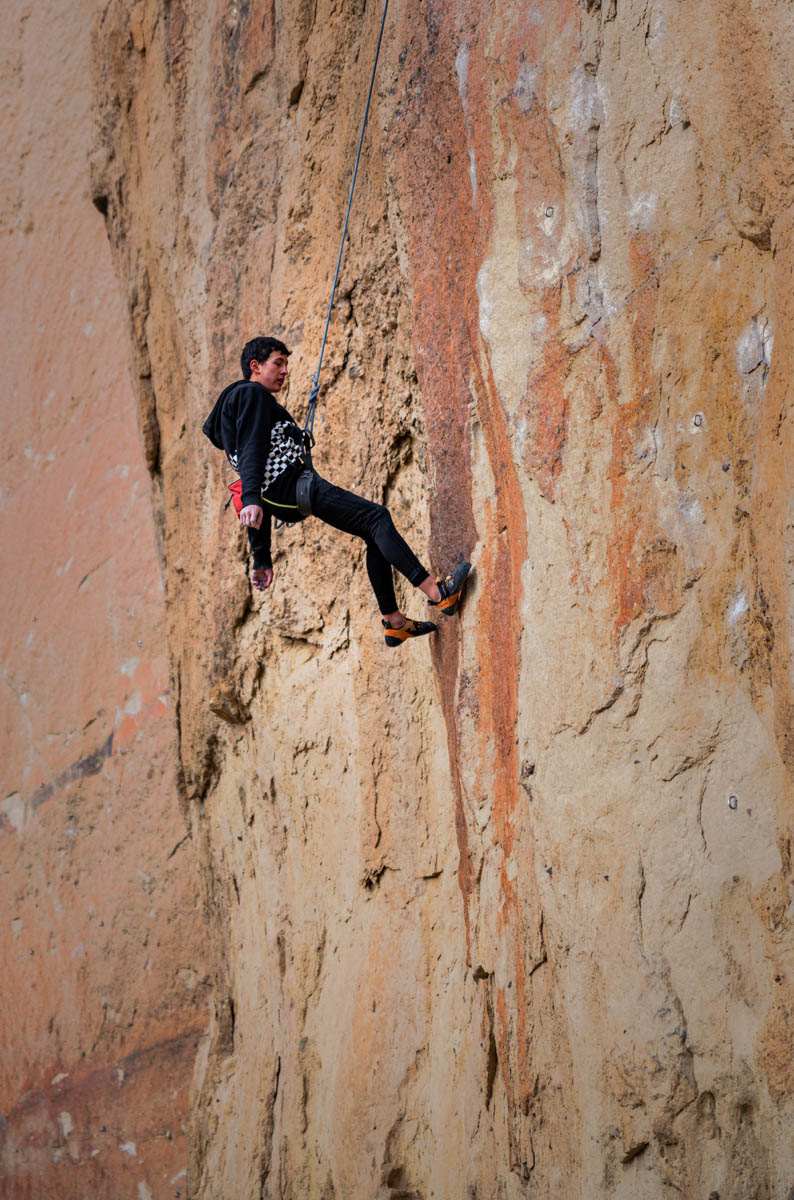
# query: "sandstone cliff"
{"points": [[509, 914]]}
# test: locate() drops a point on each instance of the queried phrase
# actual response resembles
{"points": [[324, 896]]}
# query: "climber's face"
{"points": [[272, 374]]}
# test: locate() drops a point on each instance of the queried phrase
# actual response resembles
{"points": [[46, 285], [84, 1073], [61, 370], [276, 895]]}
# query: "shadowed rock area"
{"points": [[509, 914]]}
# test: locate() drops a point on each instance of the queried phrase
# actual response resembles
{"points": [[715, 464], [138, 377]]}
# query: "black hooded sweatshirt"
{"points": [[241, 424]]}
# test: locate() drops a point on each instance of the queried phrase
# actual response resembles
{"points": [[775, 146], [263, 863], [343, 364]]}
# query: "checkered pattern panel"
{"points": [[284, 451]]}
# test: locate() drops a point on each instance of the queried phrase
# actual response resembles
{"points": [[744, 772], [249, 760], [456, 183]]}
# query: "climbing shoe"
{"points": [[411, 629], [451, 588]]}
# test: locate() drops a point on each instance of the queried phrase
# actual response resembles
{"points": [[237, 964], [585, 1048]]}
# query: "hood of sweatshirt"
{"points": [[212, 425]]}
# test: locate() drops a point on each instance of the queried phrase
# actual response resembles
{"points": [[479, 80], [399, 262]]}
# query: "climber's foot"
{"points": [[451, 589], [396, 635]]}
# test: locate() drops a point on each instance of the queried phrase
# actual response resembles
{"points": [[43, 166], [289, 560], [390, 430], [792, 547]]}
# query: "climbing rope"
{"points": [[308, 428]]}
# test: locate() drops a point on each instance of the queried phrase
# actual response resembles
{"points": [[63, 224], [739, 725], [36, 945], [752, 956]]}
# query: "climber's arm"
{"points": [[259, 541], [254, 418]]}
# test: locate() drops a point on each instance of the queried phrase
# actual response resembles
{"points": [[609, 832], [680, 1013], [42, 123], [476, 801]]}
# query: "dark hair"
{"points": [[259, 350]]}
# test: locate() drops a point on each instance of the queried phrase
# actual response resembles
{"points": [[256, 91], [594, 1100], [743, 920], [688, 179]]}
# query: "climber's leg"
{"points": [[381, 579], [373, 523], [398, 627], [386, 549]]}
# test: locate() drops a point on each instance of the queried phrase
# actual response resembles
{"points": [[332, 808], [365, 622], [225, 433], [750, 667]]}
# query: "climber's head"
{"points": [[264, 359]]}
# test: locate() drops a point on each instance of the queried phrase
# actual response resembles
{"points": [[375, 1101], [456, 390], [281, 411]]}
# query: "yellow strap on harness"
{"points": [[276, 504]]}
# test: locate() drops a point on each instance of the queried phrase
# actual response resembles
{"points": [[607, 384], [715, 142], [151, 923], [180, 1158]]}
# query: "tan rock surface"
{"points": [[509, 914], [104, 988]]}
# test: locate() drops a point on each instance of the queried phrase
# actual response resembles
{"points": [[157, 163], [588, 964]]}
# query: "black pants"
{"points": [[373, 523]]}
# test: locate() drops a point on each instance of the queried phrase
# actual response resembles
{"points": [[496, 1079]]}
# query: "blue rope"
{"points": [[308, 428]]}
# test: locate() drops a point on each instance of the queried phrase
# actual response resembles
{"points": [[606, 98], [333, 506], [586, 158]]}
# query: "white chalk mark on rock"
{"points": [[738, 608]]}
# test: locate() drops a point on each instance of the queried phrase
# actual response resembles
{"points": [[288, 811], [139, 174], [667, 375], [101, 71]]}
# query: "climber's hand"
{"points": [[262, 577], [251, 515]]}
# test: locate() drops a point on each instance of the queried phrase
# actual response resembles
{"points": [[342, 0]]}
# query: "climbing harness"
{"points": [[308, 428], [303, 493], [301, 497]]}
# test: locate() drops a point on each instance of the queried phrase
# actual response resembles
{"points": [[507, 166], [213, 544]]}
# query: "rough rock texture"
{"points": [[103, 978], [510, 914]]}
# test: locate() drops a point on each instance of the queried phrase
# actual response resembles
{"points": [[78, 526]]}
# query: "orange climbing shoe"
{"points": [[451, 588], [411, 629]]}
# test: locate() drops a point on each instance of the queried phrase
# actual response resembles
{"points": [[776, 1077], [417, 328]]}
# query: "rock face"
{"points": [[103, 984], [507, 914]]}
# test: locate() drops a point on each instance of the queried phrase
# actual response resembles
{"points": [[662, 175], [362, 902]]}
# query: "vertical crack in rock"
{"points": [[268, 1131], [640, 894]]}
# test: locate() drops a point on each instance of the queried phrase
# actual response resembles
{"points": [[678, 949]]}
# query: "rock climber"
{"points": [[265, 447]]}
